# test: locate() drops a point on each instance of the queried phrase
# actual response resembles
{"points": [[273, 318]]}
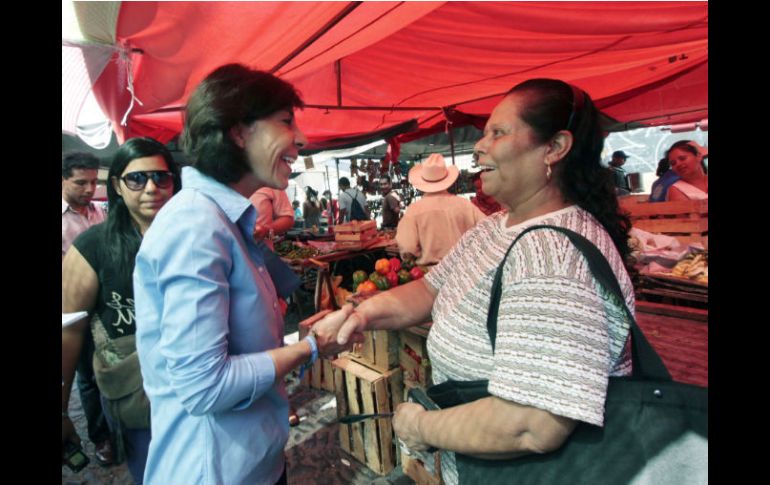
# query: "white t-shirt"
{"points": [[558, 340]]}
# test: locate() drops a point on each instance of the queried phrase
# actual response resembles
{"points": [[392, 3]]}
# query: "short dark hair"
{"points": [[385, 177], [344, 182], [551, 105], [663, 166], [230, 95], [78, 160]]}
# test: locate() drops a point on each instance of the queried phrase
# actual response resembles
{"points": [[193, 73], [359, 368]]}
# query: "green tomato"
{"points": [[359, 277]]}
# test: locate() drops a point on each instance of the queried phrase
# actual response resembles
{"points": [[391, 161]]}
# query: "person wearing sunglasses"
{"points": [[209, 326], [97, 278]]}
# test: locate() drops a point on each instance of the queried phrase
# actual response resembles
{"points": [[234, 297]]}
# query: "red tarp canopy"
{"points": [[376, 69]]}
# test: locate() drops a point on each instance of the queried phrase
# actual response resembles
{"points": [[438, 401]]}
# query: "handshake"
{"points": [[337, 331]]}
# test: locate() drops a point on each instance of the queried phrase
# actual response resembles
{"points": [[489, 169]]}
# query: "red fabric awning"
{"points": [[365, 67]]}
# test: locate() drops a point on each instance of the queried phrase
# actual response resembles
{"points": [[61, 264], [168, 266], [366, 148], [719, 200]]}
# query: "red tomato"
{"points": [[416, 273], [382, 266], [395, 264]]}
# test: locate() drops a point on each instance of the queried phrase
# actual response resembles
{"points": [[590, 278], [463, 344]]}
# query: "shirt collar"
{"points": [[66, 207], [233, 204]]}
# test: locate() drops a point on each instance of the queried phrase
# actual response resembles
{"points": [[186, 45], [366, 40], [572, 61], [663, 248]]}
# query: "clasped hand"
{"points": [[337, 331]]}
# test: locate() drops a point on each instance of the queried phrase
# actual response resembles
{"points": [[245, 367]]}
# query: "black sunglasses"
{"points": [[137, 180]]}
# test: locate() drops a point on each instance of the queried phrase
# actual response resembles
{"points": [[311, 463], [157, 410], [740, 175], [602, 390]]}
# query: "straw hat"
{"points": [[433, 175]]}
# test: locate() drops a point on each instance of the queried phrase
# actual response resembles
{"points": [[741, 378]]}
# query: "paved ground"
{"points": [[313, 452]]}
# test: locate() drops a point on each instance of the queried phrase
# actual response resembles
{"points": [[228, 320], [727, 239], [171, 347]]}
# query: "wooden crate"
{"points": [[360, 390], [378, 351], [687, 220], [413, 355]]}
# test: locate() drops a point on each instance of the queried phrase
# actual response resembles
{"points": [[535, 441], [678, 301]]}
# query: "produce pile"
{"points": [[289, 250], [387, 273], [694, 266]]}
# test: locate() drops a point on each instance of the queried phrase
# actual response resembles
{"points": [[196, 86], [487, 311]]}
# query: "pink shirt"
{"points": [[433, 224], [73, 222], [271, 204]]}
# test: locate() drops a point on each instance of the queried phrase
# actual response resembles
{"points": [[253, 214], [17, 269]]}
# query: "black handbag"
{"points": [[655, 430]]}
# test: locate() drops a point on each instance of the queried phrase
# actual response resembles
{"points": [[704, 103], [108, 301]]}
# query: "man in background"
{"points": [[433, 224], [618, 174], [391, 204], [348, 210], [275, 214], [79, 172]]}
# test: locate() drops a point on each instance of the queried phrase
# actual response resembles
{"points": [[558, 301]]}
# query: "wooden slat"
{"points": [[640, 209], [356, 431], [371, 439], [327, 381], [685, 226], [342, 406], [315, 374], [384, 426], [695, 314], [367, 351], [675, 294]]}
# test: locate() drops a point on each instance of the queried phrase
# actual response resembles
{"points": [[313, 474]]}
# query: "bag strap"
{"points": [[647, 363]]}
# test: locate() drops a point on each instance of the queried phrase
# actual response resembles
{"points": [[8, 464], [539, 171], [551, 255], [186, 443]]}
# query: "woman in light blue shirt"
{"points": [[209, 327]]}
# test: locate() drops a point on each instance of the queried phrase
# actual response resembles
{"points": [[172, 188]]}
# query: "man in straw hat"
{"points": [[433, 224]]}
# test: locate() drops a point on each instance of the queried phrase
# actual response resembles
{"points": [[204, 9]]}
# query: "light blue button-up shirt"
{"points": [[206, 313]]}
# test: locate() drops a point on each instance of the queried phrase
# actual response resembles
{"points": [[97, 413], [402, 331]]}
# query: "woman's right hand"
{"points": [[326, 332]]}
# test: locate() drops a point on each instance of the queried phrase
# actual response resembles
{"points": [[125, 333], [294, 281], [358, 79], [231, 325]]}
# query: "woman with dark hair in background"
{"points": [[686, 160], [311, 209], [666, 177], [560, 336], [97, 278], [210, 330]]}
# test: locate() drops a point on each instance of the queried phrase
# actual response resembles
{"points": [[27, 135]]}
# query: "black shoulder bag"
{"points": [[655, 430]]}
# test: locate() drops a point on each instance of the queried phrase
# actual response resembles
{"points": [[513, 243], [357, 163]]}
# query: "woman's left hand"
{"points": [[405, 425]]}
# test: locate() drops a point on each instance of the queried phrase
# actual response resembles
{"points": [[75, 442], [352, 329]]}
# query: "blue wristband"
{"points": [[310, 338]]}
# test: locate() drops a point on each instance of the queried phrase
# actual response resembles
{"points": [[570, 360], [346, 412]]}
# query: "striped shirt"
{"points": [[559, 335]]}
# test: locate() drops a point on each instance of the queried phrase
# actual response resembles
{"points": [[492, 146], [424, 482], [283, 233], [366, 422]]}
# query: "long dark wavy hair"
{"points": [[230, 95], [552, 105], [122, 235]]}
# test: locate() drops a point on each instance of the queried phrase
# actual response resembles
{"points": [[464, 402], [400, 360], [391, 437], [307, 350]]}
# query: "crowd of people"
{"points": [[183, 291]]}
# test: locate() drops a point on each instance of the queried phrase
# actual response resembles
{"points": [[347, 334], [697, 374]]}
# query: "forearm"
{"points": [[399, 307], [71, 345], [492, 428], [282, 224], [289, 357]]}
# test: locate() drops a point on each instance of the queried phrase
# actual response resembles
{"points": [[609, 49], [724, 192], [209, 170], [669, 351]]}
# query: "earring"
{"points": [[548, 172]]}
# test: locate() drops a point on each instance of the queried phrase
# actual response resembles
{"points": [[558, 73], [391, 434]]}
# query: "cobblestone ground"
{"points": [[313, 452]]}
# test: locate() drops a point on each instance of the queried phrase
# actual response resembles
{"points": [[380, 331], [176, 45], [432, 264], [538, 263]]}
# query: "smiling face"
{"points": [[271, 144], [511, 159], [685, 164], [144, 204]]}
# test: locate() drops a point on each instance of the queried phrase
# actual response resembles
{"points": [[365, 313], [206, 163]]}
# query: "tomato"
{"points": [[366, 286], [359, 277], [392, 278], [395, 264], [404, 277], [416, 273], [382, 266], [374, 276], [382, 283]]}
